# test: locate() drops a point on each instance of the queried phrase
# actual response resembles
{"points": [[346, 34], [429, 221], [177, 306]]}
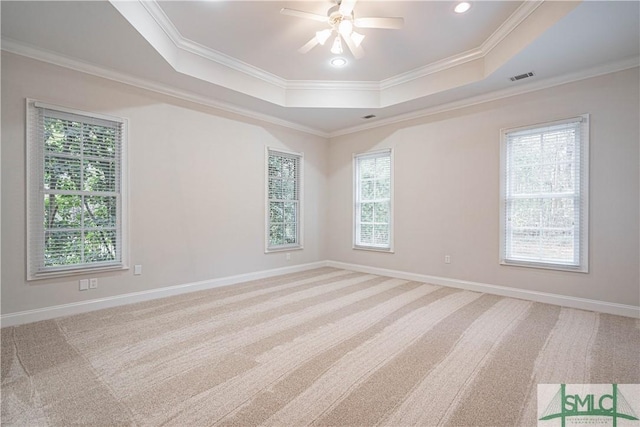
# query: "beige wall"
{"points": [[447, 190], [196, 187]]}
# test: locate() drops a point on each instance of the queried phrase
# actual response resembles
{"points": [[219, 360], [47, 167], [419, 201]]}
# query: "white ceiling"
{"points": [[256, 33], [242, 55]]}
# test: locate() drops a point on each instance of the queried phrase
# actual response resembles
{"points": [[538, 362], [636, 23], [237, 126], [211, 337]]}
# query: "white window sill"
{"points": [[78, 272], [373, 249], [545, 266], [283, 249]]}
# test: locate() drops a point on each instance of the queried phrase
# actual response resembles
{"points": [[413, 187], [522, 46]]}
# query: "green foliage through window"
{"points": [[80, 190], [544, 195], [373, 200], [283, 199]]}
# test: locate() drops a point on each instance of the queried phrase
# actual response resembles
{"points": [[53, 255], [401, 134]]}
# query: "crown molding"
{"points": [[621, 65], [435, 67], [332, 85], [512, 22], [515, 19], [187, 45], [201, 62], [21, 49], [163, 21], [181, 42], [12, 46]]}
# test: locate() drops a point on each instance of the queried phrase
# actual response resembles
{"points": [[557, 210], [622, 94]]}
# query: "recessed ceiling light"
{"points": [[338, 62], [462, 7]]}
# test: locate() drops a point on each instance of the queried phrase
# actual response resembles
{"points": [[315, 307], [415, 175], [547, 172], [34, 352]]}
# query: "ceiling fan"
{"points": [[342, 21]]}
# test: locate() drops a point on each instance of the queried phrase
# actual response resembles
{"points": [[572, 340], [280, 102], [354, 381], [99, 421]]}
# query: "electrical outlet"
{"points": [[447, 259], [84, 284], [288, 256], [93, 283], [137, 269]]}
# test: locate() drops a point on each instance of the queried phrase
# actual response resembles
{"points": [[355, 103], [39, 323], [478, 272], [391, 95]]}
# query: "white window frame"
{"points": [[300, 217], [35, 197], [581, 229], [356, 201]]}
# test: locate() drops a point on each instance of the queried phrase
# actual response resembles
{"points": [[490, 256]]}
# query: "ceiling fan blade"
{"points": [[357, 51], [346, 7], [305, 15], [309, 45], [385, 23]]}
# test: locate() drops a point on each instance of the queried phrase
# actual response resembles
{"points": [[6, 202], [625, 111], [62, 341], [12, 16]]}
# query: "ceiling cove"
{"points": [[186, 56]]}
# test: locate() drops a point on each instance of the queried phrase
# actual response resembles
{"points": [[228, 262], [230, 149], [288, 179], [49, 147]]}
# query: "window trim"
{"points": [[300, 225], [584, 227], [32, 186], [356, 156]]}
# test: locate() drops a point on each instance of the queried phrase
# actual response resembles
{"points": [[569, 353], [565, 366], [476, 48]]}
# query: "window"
{"points": [[544, 188], [284, 200], [75, 200], [373, 208]]}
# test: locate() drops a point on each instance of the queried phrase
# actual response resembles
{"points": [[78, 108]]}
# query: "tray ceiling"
{"points": [[242, 55]]}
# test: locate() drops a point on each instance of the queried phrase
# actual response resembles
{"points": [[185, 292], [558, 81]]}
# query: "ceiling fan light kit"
{"points": [[342, 21], [337, 46], [345, 28]]}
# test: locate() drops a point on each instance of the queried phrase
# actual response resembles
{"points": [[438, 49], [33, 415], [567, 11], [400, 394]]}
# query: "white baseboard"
{"points": [[555, 299], [46, 313]]}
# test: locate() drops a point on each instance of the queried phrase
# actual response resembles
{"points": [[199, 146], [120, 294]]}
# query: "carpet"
{"points": [[326, 347]]}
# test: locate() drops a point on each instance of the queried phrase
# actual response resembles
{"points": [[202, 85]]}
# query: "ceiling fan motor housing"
{"points": [[341, 20], [335, 17]]}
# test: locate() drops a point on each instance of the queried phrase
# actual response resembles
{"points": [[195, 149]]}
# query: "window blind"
{"points": [[75, 191], [545, 195], [373, 200], [284, 172]]}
